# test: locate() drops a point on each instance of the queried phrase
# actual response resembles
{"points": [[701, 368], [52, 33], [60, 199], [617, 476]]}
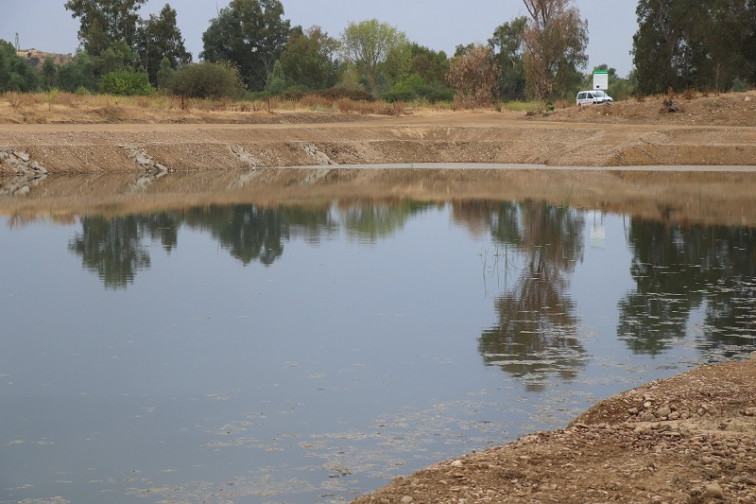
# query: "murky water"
{"points": [[255, 355]]}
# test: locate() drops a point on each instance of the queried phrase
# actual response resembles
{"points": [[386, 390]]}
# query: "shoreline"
{"points": [[689, 438], [705, 196]]}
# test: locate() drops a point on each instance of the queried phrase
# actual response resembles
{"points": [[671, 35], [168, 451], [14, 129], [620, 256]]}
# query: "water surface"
{"points": [[253, 354]]}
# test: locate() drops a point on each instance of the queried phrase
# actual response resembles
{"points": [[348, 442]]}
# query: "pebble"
{"points": [[664, 411], [714, 491]]}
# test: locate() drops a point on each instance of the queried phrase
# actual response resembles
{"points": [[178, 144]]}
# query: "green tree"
{"points": [[207, 80], [78, 74], [398, 64], [276, 83], [432, 66], [48, 75], [555, 40], [157, 38], [104, 21], [126, 83], [417, 73], [694, 43], [508, 48], [250, 34], [15, 73], [367, 45], [165, 73], [308, 59], [117, 57], [472, 74]]}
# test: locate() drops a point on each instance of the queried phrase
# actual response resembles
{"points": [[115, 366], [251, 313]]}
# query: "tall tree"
{"points": [[508, 46], [694, 43], [159, 37], [104, 21], [250, 34], [555, 42], [432, 66], [472, 73], [367, 45], [308, 58]]}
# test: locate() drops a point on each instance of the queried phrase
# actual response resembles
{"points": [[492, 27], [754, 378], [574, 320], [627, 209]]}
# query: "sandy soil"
{"points": [[687, 439]]}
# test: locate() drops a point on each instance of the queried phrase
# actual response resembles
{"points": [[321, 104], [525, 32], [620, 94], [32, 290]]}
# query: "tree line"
{"points": [[251, 48]]}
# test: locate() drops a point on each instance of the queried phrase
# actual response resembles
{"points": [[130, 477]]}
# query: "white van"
{"points": [[592, 97]]}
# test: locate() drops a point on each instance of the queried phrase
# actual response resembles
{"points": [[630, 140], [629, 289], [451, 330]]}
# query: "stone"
{"points": [[23, 156], [714, 491], [663, 412], [407, 499], [456, 463]]}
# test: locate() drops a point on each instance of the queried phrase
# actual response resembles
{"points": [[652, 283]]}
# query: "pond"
{"points": [[300, 354]]}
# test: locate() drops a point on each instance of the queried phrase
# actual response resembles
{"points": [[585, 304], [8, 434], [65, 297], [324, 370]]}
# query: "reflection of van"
{"points": [[591, 97]]}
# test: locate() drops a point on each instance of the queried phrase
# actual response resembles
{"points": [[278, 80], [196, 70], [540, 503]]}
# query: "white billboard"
{"points": [[601, 79]]}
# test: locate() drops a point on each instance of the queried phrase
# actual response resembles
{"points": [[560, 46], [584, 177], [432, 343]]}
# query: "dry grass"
{"points": [[62, 107]]}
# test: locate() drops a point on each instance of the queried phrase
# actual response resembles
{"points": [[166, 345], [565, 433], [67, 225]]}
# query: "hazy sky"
{"points": [[437, 24]]}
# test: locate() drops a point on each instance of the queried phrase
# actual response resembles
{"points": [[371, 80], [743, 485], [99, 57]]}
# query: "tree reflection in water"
{"points": [[536, 331], [678, 269], [114, 248]]}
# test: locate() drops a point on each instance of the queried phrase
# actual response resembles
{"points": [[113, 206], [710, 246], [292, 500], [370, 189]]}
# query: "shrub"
{"points": [[337, 93], [126, 83], [207, 80]]}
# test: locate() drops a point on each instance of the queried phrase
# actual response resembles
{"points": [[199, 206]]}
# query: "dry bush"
{"points": [[14, 98], [345, 105], [163, 103], [315, 101], [69, 99], [690, 94], [110, 111], [143, 101], [274, 103], [393, 108]]}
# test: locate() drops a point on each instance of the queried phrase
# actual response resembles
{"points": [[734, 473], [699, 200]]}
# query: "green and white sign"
{"points": [[601, 79]]}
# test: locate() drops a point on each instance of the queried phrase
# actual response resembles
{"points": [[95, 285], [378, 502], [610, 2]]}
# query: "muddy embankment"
{"points": [[140, 167]]}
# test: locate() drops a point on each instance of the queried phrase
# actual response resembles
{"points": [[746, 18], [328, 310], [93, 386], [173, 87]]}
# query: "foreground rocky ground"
{"points": [[687, 439]]}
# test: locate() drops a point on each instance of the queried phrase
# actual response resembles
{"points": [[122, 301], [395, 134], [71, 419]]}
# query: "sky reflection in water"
{"points": [[249, 354]]}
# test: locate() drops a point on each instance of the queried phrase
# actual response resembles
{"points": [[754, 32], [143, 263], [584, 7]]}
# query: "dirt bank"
{"points": [[622, 134]]}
